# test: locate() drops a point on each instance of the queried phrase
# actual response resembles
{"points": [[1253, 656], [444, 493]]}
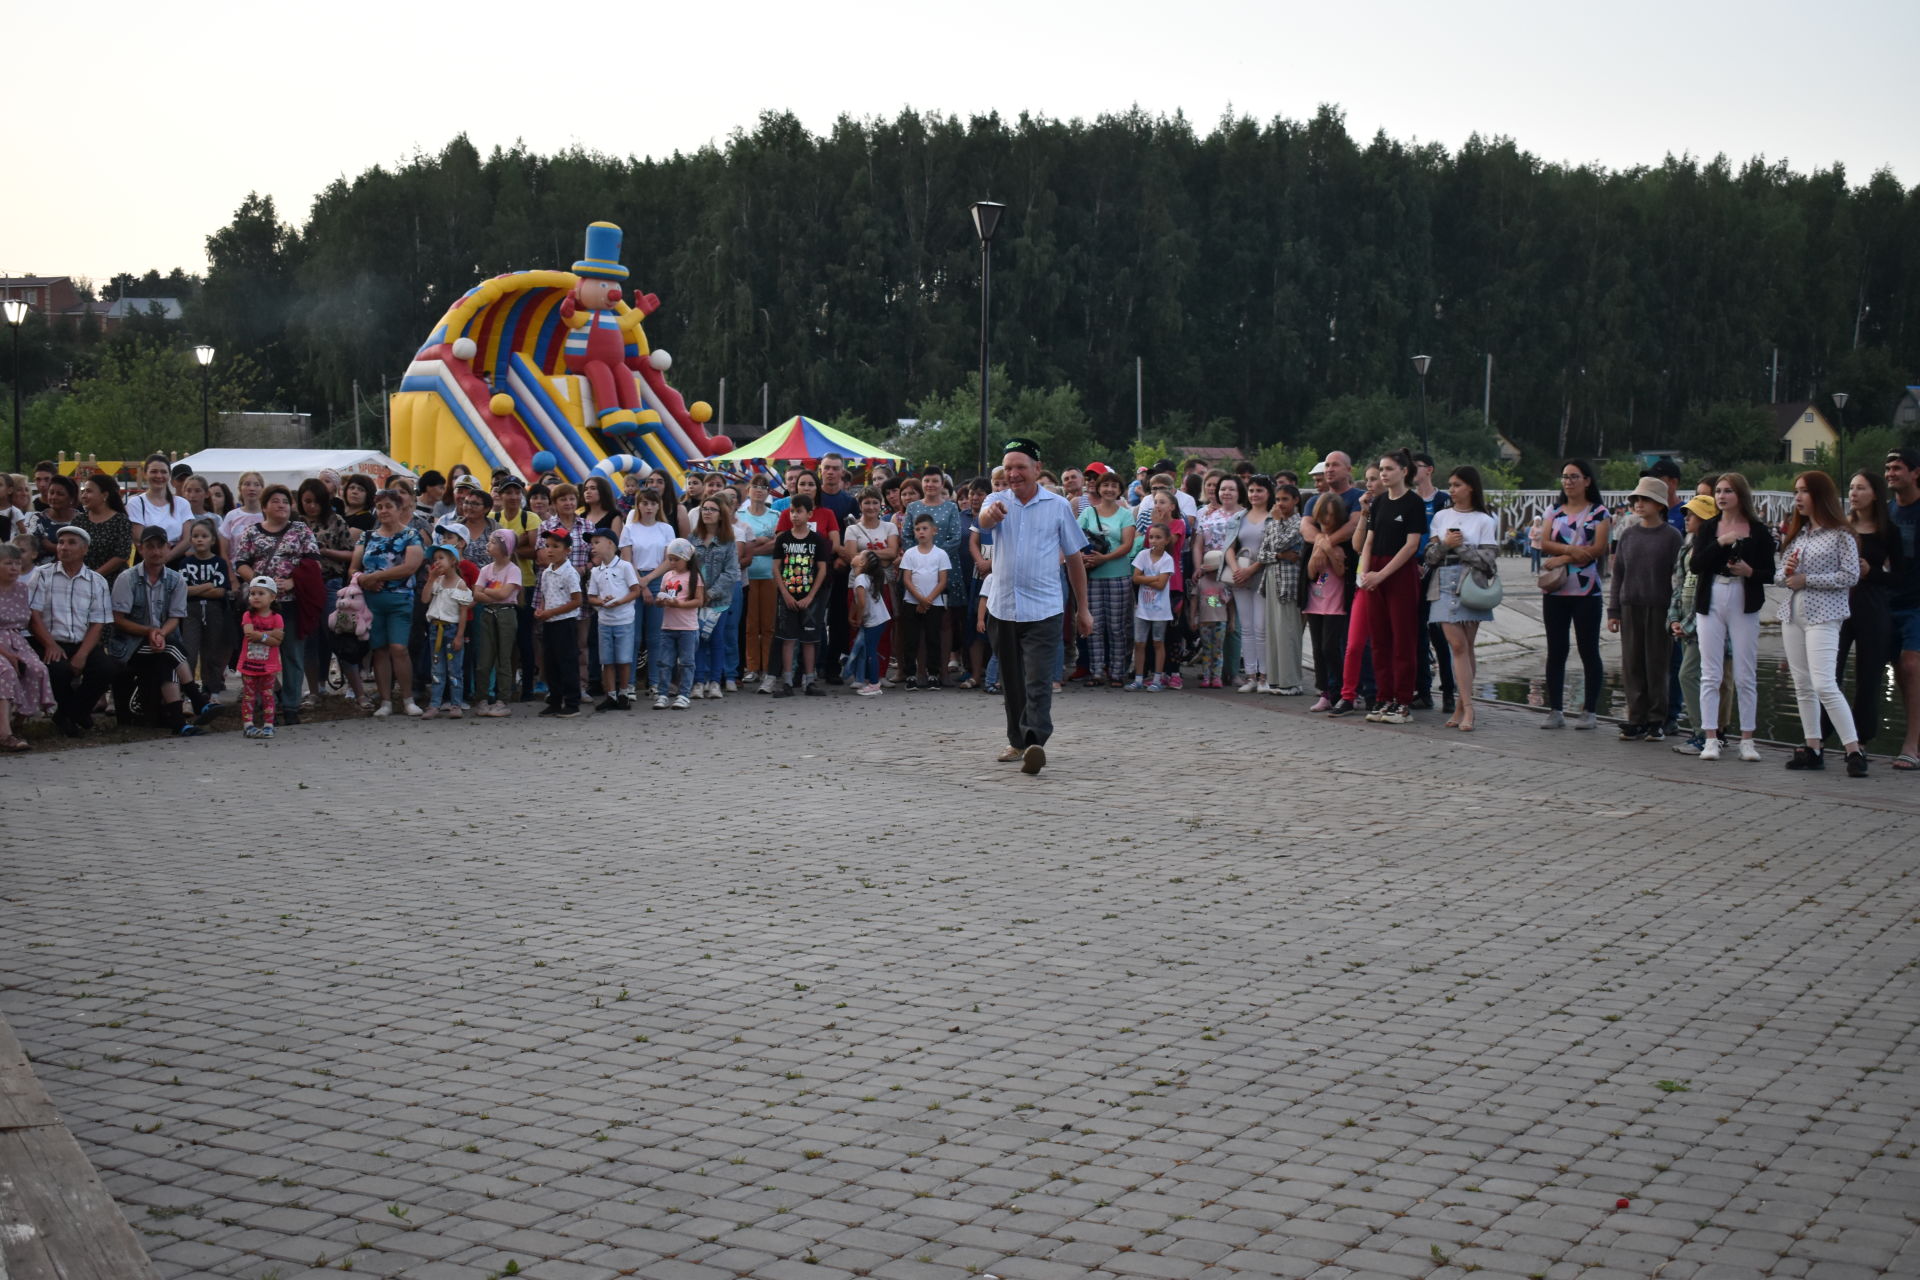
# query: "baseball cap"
{"points": [[1703, 506], [1097, 469], [1319, 469]]}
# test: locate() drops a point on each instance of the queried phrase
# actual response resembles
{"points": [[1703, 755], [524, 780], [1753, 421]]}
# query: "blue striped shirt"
{"points": [[1025, 585]]}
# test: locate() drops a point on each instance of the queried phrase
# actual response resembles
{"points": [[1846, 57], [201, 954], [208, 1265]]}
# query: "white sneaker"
{"points": [[1253, 685], [733, 686], [682, 702], [747, 677], [714, 690], [660, 702], [1749, 752], [1710, 750], [412, 708], [766, 686], [382, 711]]}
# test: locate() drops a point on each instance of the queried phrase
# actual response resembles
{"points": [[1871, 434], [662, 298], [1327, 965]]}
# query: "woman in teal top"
{"points": [[1109, 584]]}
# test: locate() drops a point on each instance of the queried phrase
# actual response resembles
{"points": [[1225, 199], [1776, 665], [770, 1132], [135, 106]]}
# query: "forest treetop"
{"points": [[1259, 269]]}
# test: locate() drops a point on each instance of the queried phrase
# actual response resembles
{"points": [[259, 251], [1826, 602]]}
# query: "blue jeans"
{"points": [[863, 661], [449, 666], [732, 624], [674, 651], [646, 635], [709, 661]]}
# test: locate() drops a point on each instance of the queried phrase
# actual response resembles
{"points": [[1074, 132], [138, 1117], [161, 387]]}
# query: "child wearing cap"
{"points": [[449, 603], [612, 587], [261, 631], [557, 610], [681, 593]]}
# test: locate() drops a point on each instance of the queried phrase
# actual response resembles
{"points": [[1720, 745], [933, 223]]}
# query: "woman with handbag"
{"points": [[1463, 579], [1109, 558], [1571, 537], [1208, 601]]}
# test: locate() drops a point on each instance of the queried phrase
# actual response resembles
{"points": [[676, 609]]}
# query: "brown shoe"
{"points": [[1010, 755], [1034, 759]]}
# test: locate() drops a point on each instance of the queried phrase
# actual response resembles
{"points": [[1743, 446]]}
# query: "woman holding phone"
{"points": [[1733, 556]]}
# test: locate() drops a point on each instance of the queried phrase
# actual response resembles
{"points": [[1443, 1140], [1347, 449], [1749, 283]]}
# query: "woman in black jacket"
{"points": [[1733, 557]]}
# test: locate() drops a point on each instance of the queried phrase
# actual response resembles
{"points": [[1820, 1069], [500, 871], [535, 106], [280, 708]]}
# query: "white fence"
{"points": [[1518, 508]]}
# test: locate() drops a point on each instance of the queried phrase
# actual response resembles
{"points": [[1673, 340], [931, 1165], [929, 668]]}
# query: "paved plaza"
{"points": [[814, 989]]}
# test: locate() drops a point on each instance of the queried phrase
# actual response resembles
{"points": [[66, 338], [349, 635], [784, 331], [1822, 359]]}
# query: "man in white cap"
{"points": [[72, 612], [1035, 530]]}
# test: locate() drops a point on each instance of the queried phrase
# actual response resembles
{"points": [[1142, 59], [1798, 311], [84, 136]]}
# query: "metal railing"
{"points": [[1517, 508]]}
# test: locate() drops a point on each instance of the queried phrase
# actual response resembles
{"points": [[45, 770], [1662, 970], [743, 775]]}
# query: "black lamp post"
{"points": [[1420, 364], [16, 311], [204, 354], [986, 218], [1840, 410]]}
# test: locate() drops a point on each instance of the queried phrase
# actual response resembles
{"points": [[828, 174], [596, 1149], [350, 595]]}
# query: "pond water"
{"points": [[1779, 717]]}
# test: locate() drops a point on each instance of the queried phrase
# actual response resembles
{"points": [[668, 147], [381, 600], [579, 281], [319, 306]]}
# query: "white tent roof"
{"points": [[290, 466]]}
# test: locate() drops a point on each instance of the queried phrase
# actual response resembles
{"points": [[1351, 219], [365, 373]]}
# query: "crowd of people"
{"points": [[455, 596]]}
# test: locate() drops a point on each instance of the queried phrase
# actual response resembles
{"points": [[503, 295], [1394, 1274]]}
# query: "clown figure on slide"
{"points": [[598, 334]]}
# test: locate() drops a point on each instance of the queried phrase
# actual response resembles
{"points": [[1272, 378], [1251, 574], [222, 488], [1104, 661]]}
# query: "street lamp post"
{"points": [[986, 219], [1840, 409], [1420, 364], [16, 311], [204, 354]]}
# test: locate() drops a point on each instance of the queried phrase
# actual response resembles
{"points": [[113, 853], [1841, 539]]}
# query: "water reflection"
{"points": [[1779, 717]]}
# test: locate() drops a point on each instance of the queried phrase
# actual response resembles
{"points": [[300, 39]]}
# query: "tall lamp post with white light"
{"points": [[1420, 364], [986, 219], [16, 312], [204, 354], [1840, 411]]}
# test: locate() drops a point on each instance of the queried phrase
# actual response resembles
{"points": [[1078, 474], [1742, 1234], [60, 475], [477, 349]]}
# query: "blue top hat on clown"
{"points": [[598, 331]]}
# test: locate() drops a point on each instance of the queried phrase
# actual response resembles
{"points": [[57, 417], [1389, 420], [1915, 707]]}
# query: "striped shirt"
{"points": [[69, 604]]}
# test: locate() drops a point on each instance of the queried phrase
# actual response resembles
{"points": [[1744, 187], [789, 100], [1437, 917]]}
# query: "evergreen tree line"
{"points": [[1262, 271]]}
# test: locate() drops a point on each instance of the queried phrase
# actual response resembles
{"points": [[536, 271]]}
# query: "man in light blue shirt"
{"points": [[1034, 530]]}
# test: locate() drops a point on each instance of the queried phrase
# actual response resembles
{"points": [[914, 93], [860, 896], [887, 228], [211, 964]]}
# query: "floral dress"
{"points": [[23, 677]]}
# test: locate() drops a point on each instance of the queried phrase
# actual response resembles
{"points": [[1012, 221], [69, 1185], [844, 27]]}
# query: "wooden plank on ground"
{"points": [[57, 1221]]}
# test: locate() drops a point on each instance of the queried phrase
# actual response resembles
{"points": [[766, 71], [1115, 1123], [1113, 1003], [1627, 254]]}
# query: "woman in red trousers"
{"points": [[1386, 606]]}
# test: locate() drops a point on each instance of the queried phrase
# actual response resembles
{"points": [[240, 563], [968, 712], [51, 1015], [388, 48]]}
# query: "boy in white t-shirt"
{"points": [[923, 613], [1152, 607], [612, 586]]}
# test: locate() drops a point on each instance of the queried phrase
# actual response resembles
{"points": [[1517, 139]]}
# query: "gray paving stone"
{"points": [[1253, 1038]]}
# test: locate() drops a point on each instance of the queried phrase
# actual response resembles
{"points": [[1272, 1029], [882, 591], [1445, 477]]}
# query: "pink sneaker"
{"points": [[454, 712], [429, 713], [1174, 682], [1325, 704]]}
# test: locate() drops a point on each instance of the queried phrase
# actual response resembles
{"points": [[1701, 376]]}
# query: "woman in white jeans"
{"points": [[1820, 562], [1733, 556]]}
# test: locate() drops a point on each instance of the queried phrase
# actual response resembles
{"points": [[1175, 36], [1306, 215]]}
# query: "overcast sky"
{"points": [[135, 129]]}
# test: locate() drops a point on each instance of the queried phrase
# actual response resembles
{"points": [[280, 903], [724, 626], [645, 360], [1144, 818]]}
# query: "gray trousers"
{"points": [[1026, 651], [1646, 646], [1285, 625]]}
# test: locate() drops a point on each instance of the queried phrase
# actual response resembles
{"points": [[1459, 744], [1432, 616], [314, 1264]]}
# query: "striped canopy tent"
{"points": [[801, 439]]}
